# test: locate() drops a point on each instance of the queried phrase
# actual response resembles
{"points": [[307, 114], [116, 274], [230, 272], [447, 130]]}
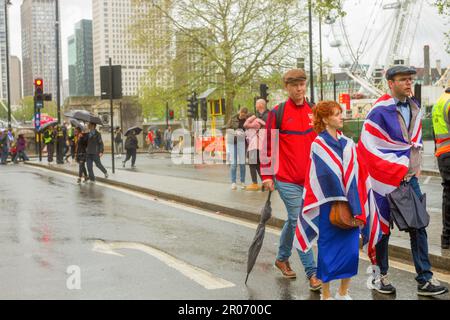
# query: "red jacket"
{"points": [[294, 146]]}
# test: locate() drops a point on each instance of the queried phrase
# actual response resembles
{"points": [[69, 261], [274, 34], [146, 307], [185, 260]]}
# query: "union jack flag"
{"points": [[332, 178], [383, 146]]}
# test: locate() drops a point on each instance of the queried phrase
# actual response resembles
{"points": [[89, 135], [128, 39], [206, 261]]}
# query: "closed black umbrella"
{"points": [[255, 247], [408, 211], [48, 124], [136, 130], [83, 115]]}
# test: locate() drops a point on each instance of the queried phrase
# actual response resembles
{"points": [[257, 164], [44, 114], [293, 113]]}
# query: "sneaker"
{"points": [[339, 297], [329, 298], [285, 269], [314, 283], [86, 179], [242, 185], [382, 285], [106, 176], [252, 187], [233, 186], [431, 288]]}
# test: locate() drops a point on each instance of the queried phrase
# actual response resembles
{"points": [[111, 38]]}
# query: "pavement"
{"points": [[208, 187]]}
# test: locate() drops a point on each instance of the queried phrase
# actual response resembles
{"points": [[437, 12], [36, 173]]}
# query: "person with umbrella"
{"points": [[391, 141], [94, 151], [131, 145], [80, 141], [282, 167]]}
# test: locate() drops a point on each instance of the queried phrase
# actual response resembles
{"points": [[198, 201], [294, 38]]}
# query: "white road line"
{"points": [[252, 225], [427, 180], [202, 277]]}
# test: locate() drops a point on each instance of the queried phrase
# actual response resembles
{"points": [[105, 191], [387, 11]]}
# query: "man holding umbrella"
{"points": [[94, 152], [131, 145]]}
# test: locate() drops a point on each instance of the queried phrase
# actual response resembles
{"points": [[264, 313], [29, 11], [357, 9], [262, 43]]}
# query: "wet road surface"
{"points": [[123, 245]]}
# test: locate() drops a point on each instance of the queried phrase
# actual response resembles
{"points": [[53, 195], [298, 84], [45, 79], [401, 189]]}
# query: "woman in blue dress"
{"points": [[332, 177]]}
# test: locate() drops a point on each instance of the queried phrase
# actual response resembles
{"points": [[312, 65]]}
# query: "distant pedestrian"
{"points": [[441, 127], [21, 146], [4, 149], [94, 151], [131, 146], [168, 138], [150, 140], [255, 138], [61, 138], [158, 138], [81, 141], [49, 142], [236, 146], [118, 142], [70, 143]]}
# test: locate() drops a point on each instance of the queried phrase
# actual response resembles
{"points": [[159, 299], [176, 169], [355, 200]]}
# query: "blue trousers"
{"points": [[292, 196]]}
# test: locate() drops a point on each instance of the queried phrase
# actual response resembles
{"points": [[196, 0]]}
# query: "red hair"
{"points": [[323, 110]]}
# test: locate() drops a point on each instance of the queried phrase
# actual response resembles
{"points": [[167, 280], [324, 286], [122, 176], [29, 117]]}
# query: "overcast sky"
{"points": [[430, 30]]}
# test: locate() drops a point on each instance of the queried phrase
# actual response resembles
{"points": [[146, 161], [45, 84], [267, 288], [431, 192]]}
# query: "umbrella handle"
{"points": [[270, 194]]}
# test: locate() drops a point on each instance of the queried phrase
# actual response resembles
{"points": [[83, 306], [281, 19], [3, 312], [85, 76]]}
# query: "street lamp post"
{"points": [[58, 80], [311, 70], [8, 84]]}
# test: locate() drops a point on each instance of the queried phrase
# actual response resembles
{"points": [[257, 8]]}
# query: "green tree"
{"points": [[444, 10], [26, 111], [244, 38]]}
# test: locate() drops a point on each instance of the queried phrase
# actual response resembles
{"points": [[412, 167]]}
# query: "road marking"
{"points": [[202, 277], [251, 225], [427, 180]]}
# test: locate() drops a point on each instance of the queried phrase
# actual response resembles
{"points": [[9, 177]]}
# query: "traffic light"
{"points": [[203, 109], [263, 91], [39, 93], [192, 107], [171, 114]]}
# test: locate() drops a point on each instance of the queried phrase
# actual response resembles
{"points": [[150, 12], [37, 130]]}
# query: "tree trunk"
{"points": [[229, 102]]}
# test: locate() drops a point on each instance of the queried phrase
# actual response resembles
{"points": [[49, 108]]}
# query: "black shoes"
{"points": [[431, 288]]}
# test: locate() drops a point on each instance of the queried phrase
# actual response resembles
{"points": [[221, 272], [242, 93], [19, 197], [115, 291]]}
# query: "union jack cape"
{"points": [[383, 146], [330, 178]]}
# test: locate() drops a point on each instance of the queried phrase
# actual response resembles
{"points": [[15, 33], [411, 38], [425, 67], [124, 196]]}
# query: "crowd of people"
{"points": [[319, 173]]}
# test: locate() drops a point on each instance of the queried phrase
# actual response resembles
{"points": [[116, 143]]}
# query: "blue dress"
{"points": [[338, 249]]}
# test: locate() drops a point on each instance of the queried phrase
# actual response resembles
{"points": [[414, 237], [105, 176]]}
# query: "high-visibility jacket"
{"points": [[48, 136], [441, 124]]}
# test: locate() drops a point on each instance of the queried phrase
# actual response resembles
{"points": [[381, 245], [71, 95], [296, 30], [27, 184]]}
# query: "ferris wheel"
{"points": [[384, 37]]}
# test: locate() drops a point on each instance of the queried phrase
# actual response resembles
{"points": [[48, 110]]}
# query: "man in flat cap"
{"points": [[284, 167], [391, 141]]}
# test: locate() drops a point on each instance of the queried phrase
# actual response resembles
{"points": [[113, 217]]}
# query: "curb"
{"points": [[440, 263]]}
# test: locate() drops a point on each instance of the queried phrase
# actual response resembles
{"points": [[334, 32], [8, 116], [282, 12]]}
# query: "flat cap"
{"points": [[294, 75], [393, 71]]}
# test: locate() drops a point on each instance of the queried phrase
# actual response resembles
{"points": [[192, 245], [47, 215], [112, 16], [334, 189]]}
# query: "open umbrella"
{"points": [[255, 247], [45, 118], [136, 130], [48, 124], [76, 124], [83, 115]]}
